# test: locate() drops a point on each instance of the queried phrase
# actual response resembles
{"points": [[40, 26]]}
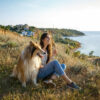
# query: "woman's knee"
{"points": [[55, 61], [63, 66]]}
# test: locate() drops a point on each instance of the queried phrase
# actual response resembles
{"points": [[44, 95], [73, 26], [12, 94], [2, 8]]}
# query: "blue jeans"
{"points": [[53, 67]]}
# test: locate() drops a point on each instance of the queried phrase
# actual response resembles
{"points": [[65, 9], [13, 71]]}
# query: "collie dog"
{"points": [[28, 64]]}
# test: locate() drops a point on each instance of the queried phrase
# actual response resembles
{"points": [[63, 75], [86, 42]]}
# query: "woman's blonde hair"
{"points": [[49, 47]]}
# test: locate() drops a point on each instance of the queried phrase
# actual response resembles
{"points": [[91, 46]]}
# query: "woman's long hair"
{"points": [[49, 47]]}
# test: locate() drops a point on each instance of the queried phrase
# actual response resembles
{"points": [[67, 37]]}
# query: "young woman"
{"points": [[52, 67]]}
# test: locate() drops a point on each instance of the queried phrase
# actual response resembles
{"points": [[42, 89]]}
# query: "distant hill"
{"points": [[64, 32], [20, 28]]}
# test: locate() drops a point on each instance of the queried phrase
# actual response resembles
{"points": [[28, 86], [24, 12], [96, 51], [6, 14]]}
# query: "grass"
{"points": [[82, 71]]}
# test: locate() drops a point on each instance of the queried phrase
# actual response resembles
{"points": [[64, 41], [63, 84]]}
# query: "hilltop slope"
{"points": [[83, 72]]}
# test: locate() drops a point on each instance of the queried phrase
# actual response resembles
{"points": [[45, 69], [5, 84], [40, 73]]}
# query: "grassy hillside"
{"points": [[85, 73]]}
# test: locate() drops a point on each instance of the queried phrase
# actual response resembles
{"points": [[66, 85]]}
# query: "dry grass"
{"points": [[83, 72]]}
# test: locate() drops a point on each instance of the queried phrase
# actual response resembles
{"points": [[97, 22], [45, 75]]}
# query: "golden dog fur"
{"points": [[28, 64]]}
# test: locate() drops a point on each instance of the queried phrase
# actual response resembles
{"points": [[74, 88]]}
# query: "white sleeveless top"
{"points": [[44, 59]]}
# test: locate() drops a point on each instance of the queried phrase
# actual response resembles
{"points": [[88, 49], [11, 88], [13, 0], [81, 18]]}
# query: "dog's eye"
{"points": [[38, 54]]}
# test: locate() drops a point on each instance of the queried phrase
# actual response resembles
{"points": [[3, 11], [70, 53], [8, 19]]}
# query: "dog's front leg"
{"points": [[34, 79], [23, 82], [22, 78]]}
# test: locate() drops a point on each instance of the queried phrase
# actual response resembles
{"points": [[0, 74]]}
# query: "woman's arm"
{"points": [[54, 53], [41, 56]]}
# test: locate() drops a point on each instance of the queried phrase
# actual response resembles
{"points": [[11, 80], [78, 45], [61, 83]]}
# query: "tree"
{"points": [[91, 53]]}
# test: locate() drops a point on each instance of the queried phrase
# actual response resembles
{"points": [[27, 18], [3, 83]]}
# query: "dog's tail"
{"points": [[14, 73]]}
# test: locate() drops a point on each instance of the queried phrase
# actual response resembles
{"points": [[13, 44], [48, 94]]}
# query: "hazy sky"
{"points": [[74, 14]]}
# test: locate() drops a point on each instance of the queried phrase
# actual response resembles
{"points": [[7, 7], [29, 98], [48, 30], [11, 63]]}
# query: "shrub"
{"points": [[11, 44], [91, 53], [76, 54], [67, 50], [83, 56]]}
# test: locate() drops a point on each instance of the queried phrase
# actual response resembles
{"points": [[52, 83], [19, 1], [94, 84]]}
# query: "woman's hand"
{"points": [[41, 66]]}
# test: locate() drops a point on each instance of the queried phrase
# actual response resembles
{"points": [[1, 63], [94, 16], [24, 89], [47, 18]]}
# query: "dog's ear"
{"points": [[36, 42], [32, 43]]}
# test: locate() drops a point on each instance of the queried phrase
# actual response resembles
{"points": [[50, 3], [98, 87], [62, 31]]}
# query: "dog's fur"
{"points": [[28, 64]]}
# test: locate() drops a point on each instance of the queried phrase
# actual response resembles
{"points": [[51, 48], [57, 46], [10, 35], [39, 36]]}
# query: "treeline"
{"points": [[64, 32], [61, 32], [18, 28]]}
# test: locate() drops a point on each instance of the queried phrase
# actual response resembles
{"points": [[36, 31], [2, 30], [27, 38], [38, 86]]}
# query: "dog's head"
{"points": [[35, 49]]}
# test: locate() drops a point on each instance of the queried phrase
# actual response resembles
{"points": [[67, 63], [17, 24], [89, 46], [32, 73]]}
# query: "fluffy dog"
{"points": [[28, 64]]}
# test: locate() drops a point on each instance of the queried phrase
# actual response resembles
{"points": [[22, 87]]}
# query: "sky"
{"points": [[83, 15]]}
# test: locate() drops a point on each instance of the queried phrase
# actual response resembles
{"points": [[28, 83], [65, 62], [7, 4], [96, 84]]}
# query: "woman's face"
{"points": [[46, 40]]}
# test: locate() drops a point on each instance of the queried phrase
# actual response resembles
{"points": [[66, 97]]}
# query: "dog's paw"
{"points": [[24, 85], [36, 84]]}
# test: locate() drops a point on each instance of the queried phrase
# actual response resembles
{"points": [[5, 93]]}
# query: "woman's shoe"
{"points": [[49, 83], [72, 85]]}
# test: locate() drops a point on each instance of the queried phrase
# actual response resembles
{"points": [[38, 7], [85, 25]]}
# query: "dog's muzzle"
{"points": [[40, 55]]}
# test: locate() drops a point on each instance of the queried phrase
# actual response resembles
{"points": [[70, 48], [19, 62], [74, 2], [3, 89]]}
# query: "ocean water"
{"points": [[89, 42]]}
